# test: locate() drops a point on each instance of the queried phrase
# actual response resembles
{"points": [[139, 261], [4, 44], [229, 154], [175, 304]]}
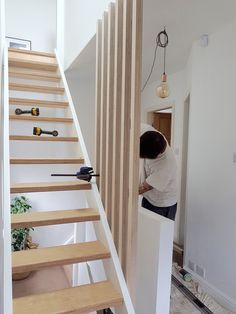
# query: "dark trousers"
{"points": [[168, 212]]}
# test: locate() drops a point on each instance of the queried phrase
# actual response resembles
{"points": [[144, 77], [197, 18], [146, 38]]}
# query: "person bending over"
{"points": [[159, 188]]}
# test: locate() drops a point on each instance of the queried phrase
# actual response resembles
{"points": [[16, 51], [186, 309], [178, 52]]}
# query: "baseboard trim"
{"points": [[225, 301]]}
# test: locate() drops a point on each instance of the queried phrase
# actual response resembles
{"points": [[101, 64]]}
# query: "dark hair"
{"points": [[152, 144]]}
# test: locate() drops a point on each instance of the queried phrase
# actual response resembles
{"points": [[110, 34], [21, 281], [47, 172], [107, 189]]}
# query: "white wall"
{"points": [[32, 20], [80, 25], [82, 88], [211, 213]]}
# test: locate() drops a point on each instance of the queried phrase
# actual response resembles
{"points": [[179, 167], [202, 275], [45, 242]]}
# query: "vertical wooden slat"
{"points": [[125, 130], [135, 114], [98, 98], [119, 122], [116, 221], [110, 111], [103, 108]]}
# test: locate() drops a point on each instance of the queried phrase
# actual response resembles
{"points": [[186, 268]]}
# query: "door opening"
{"points": [[162, 121]]}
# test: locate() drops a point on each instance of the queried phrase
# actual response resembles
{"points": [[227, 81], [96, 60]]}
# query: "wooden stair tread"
{"points": [[41, 119], [36, 88], [32, 64], [42, 138], [50, 186], [33, 161], [29, 260], [32, 75], [82, 299], [36, 102], [46, 218], [32, 52]]}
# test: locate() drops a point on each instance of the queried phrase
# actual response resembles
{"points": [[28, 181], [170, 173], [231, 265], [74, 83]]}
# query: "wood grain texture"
{"points": [[103, 116], [116, 181], [50, 186], [32, 52], [29, 260], [135, 113], [36, 88], [125, 132], [42, 138], [45, 218], [35, 161], [125, 128], [41, 119], [98, 98], [16, 62], [37, 102], [32, 75], [109, 111], [82, 299]]}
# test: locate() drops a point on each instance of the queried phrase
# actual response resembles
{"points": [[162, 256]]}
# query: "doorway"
{"points": [[161, 120]]}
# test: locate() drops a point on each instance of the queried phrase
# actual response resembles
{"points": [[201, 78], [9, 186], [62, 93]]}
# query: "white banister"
{"points": [[5, 193], [113, 267], [154, 263]]}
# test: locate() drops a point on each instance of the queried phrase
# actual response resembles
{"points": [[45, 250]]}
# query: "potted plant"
{"points": [[20, 236]]}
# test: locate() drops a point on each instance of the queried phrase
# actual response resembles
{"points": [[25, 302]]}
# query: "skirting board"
{"points": [[225, 301]]}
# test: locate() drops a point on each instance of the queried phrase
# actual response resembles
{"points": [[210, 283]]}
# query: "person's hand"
{"points": [[144, 187]]}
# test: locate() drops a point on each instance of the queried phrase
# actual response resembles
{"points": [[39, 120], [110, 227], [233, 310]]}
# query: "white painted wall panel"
{"points": [[211, 172], [80, 25], [33, 20]]}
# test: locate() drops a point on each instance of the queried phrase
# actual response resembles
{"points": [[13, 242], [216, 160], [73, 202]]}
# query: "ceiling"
{"points": [[185, 21]]}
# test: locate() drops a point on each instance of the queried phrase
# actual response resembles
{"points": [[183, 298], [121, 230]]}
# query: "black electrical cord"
{"points": [[160, 44]]}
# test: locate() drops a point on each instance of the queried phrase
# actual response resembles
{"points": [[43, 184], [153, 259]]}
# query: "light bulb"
{"points": [[163, 89]]}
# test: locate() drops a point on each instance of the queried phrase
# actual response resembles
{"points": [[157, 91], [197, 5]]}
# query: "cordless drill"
{"points": [[33, 111], [38, 131]]}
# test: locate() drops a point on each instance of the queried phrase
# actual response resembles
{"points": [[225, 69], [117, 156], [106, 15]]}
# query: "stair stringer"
{"points": [[112, 267]]}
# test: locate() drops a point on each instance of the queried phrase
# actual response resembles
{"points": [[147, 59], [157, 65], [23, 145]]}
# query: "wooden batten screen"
{"points": [[118, 97]]}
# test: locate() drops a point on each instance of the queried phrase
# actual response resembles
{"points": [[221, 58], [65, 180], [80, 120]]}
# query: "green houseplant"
{"points": [[19, 236], [20, 239]]}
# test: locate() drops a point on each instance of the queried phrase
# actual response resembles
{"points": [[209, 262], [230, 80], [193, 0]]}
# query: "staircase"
{"points": [[34, 76]]}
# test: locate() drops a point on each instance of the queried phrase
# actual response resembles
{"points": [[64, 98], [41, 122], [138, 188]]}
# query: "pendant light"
{"points": [[163, 89], [162, 41]]}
